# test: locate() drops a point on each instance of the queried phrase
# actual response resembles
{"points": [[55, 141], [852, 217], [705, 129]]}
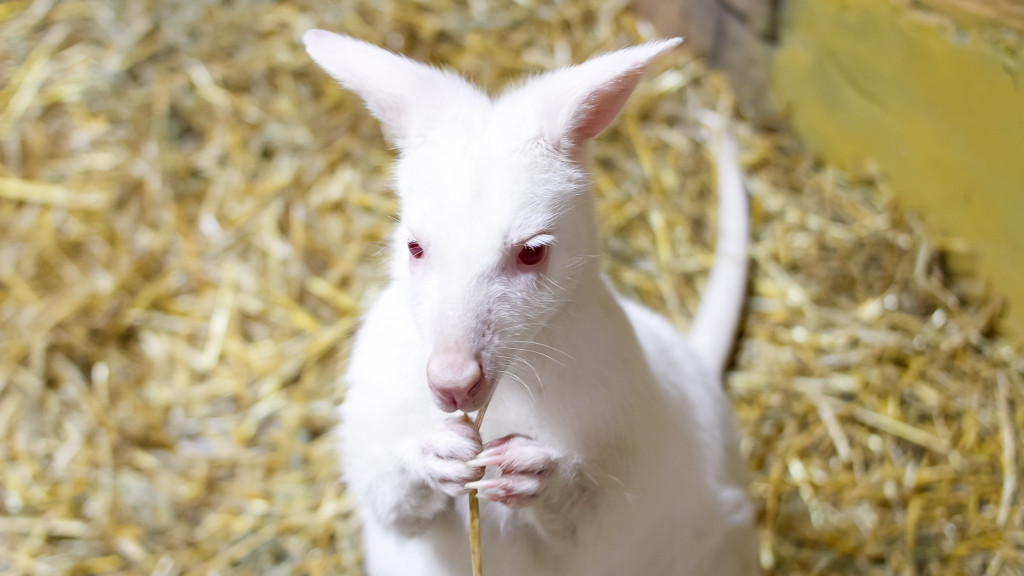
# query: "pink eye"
{"points": [[415, 249], [532, 255]]}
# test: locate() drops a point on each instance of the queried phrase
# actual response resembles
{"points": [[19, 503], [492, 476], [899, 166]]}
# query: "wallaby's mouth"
{"points": [[477, 396], [471, 401]]}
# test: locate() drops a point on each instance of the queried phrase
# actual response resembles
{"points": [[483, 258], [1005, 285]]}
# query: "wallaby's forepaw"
{"points": [[445, 451], [526, 468]]}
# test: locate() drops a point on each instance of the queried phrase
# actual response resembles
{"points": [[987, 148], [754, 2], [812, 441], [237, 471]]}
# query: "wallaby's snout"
{"points": [[456, 378]]}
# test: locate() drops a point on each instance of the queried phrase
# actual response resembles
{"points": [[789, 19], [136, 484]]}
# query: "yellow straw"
{"points": [[474, 510]]}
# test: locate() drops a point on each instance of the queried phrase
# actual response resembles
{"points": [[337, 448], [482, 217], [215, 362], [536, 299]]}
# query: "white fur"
{"points": [[611, 447]]}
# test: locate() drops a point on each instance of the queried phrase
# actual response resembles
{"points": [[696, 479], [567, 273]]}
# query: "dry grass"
{"points": [[192, 215]]}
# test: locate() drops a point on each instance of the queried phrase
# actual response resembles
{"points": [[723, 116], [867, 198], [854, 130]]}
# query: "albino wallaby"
{"points": [[609, 447]]}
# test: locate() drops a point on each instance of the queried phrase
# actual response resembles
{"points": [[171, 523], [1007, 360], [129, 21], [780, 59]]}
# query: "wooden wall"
{"points": [[739, 36]]}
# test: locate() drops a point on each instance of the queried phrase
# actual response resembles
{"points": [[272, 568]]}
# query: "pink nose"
{"points": [[455, 379]]}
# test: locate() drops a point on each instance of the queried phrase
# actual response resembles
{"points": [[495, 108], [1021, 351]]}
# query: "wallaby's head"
{"points": [[497, 226]]}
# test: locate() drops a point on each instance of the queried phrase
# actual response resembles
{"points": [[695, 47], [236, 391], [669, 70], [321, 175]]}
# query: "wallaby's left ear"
{"points": [[406, 96], [575, 104]]}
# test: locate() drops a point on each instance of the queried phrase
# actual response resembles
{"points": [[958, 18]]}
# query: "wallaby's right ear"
{"points": [[404, 95], [574, 104]]}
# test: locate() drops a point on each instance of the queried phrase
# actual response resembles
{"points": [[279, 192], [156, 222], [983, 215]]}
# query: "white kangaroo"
{"points": [[609, 447]]}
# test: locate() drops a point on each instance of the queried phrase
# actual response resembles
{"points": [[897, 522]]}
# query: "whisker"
{"points": [[511, 374], [540, 382], [538, 353], [535, 343], [515, 377]]}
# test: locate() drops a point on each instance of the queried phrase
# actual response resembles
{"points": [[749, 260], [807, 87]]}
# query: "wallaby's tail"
{"points": [[714, 326]]}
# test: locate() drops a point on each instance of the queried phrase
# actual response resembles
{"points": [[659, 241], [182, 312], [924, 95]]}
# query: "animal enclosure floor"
{"points": [[192, 216]]}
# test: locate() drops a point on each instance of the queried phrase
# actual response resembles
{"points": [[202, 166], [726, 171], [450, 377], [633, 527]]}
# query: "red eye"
{"points": [[415, 249], [532, 255]]}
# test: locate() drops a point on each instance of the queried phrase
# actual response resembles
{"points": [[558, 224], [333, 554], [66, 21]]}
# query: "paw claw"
{"points": [[525, 467], [502, 441], [478, 485], [444, 454], [483, 460], [516, 491]]}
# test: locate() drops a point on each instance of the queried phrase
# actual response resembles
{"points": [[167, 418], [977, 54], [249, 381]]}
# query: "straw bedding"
{"points": [[193, 215]]}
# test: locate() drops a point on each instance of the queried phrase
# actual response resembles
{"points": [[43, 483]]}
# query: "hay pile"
{"points": [[192, 215]]}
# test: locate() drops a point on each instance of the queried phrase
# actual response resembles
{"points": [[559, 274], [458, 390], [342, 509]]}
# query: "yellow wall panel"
{"points": [[940, 109]]}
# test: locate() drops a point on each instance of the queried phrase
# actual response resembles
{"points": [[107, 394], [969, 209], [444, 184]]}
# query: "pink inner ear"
{"points": [[603, 106]]}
